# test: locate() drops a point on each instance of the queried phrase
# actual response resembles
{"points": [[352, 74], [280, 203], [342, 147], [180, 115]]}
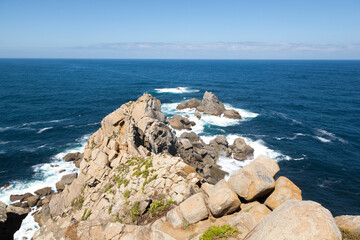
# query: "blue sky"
{"points": [[211, 29]]}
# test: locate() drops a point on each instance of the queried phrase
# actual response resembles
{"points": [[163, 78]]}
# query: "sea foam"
{"points": [[177, 90], [46, 175]]}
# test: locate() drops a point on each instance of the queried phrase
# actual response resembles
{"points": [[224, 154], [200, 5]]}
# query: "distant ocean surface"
{"points": [[304, 114]]}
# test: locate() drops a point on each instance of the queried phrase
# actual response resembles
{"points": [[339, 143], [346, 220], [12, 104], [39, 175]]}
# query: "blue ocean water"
{"points": [[305, 114]]}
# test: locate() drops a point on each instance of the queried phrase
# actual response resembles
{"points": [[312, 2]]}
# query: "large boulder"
{"points": [[350, 223], [219, 143], [43, 191], [270, 165], [178, 122], [222, 199], [239, 150], [72, 157], [232, 113], [192, 103], [65, 180], [175, 217], [297, 220], [284, 190], [210, 104], [32, 200], [252, 181], [194, 208]]}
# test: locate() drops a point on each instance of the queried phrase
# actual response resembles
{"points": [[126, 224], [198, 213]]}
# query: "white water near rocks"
{"points": [[46, 175], [227, 164]]}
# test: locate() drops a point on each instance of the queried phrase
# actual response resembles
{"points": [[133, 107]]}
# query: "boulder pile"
{"points": [[137, 180]]}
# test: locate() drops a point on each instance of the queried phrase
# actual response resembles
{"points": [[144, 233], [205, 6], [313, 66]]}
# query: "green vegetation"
{"points": [[347, 235], [127, 194], [77, 202], [159, 207], [83, 188], [110, 208], [108, 187], [135, 210], [186, 225], [86, 214], [219, 232]]}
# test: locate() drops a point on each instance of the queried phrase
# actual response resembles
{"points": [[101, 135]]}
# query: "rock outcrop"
{"points": [[209, 104], [297, 220], [137, 180]]}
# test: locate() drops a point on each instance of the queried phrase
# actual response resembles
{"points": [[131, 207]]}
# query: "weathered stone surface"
{"points": [[186, 143], [16, 197], [43, 191], [197, 115], [349, 222], [222, 199], [175, 217], [192, 103], [210, 104], [17, 210], [32, 200], [252, 181], [65, 180], [3, 216], [244, 222], [284, 190], [232, 113], [297, 220], [258, 210], [270, 165], [194, 208]]}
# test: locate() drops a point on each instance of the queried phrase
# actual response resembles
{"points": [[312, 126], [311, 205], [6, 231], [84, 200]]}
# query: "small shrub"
{"points": [[109, 209], [127, 194], [135, 210], [347, 235], [108, 187], [77, 202], [158, 207], [86, 214], [219, 232]]}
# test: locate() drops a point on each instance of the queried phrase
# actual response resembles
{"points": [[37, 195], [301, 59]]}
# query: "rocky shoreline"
{"points": [[138, 180]]}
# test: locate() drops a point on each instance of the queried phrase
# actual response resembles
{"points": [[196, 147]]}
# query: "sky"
{"points": [[169, 29]]}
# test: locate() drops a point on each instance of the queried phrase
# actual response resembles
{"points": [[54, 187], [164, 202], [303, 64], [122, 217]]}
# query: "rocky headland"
{"points": [[138, 180]]}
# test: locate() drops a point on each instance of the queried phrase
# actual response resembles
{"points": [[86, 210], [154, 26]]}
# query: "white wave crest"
{"points": [[291, 138], [323, 133], [206, 119], [231, 165], [44, 129], [322, 139], [177, 90]]}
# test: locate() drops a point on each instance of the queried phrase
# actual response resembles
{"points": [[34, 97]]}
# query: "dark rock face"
{"points": [[212, 105], [240, 150], [200, 156], [11, 225]]}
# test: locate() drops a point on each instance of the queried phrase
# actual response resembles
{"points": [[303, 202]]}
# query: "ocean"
{"points": [[303, 114]]}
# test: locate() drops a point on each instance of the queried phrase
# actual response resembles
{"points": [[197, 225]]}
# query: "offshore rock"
{"points": [[232, 113], [210, 104], [192, 103]]}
